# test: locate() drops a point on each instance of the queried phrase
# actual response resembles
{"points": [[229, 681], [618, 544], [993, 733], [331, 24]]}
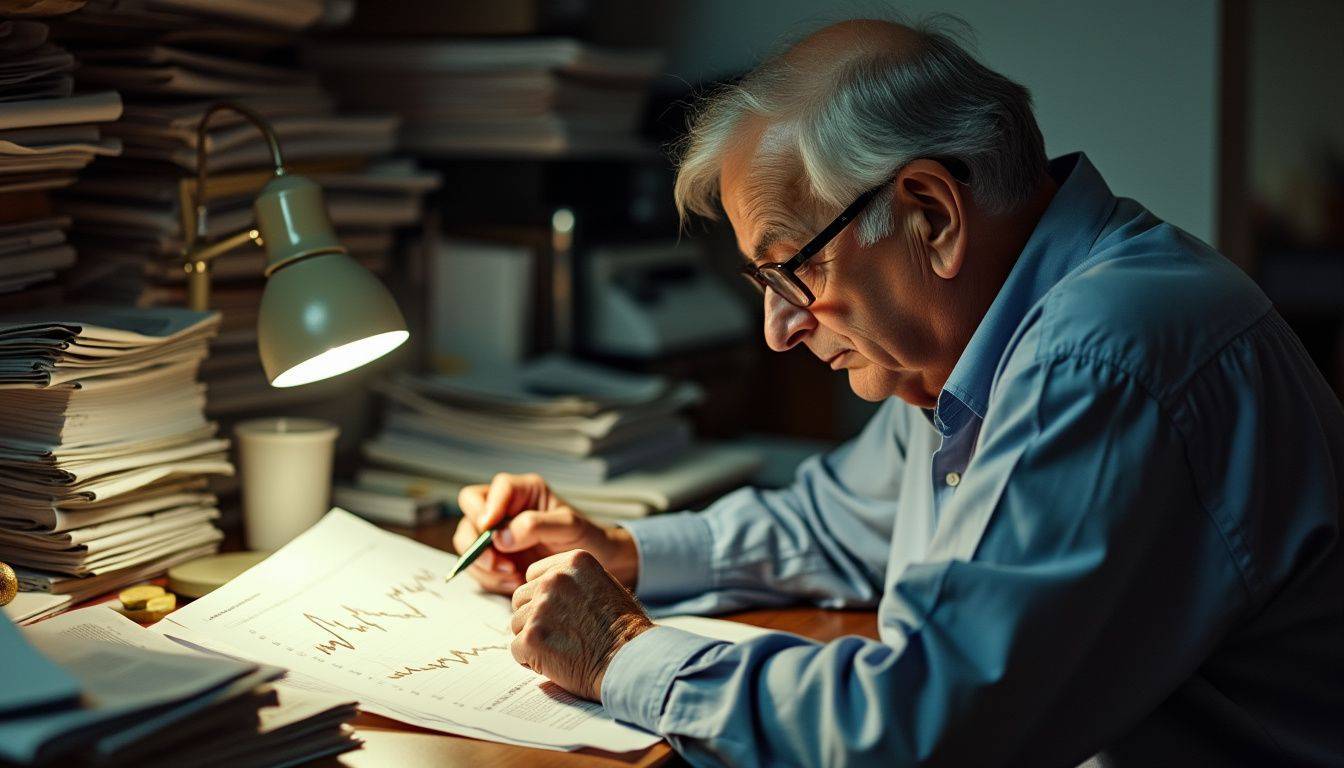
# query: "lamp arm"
{"points": [[197, 266], [220, 247], [196, 261], [202, 159]]}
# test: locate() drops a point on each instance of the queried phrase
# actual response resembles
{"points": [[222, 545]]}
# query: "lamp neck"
{"points": [[197, 260], [202, 157]]}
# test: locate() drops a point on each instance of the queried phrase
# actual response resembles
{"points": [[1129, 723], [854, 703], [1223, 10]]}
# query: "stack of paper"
{"points": [[47, 135], [232, 18], [172, 61], [119, 695], [104, 448], [29, 607], [610, 442], [538, 96]]}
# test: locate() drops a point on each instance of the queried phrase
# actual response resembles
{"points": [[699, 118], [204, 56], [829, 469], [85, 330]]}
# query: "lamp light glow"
{"points": [[338, 360]]}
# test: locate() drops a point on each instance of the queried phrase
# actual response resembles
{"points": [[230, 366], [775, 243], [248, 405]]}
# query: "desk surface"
{"points": [[387, 742]]}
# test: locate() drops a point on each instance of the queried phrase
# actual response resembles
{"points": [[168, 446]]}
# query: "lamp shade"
{"points": [[322, 313]]}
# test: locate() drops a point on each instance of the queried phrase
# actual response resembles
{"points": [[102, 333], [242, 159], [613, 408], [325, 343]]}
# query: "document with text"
{"points": [[350, 607]]}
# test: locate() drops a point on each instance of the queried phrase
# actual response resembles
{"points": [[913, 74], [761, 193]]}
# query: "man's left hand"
{"points": [[570, 619]]}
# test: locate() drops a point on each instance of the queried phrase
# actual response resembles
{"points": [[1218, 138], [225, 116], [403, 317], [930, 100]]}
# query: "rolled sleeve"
{"points": [[675, 556], [640, 675]]}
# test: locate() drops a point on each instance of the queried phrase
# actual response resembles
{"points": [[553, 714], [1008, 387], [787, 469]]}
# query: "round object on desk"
{"points": [[154, 610], [9, 584], [134, 598], [203, 575]]}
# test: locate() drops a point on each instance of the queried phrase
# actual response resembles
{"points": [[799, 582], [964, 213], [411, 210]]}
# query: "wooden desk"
{"points": [[390, 743]]}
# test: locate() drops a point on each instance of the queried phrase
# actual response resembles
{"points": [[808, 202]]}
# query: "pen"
{"points": [[474, 551]]}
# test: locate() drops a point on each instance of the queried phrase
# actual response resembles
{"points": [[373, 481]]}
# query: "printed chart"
{"points": [[368, 612]]}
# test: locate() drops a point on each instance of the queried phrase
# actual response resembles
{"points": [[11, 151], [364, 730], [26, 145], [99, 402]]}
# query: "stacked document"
{"points": [[104, 446], [535, 96], [93, 688], [172, 62], [612, 443], [47, 135], [29, 607]]}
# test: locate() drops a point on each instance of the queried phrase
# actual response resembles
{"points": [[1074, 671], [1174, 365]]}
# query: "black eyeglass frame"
{"points": [[787, 270]]}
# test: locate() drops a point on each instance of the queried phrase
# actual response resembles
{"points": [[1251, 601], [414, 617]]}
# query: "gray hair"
{"points": [[851, 123]]}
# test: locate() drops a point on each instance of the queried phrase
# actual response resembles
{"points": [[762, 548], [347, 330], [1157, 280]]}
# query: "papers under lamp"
{"points": [[322, 313]]}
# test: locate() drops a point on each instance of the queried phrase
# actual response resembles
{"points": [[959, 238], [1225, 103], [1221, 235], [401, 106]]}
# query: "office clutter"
{"points": [[171, 64], [637, 297], [613, 444], [501, 97], [406, 506], [47, 136], [481, 302], [105, 450], [91, 687]]}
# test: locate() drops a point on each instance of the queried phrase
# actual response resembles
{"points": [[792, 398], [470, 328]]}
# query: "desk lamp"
{"points": [[322, 313]]}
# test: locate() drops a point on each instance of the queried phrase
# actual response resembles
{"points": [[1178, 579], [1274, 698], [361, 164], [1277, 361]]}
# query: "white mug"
{"points": [[286, 477]]}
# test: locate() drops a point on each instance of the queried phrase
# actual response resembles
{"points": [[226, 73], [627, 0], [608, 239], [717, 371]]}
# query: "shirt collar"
{"points": [[1062, 240]]}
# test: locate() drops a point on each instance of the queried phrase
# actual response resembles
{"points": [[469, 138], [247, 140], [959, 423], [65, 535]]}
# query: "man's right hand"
{"points": [[540, 524]]}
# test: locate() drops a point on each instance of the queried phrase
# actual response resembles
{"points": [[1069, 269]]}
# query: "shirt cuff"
{"points": [[640, 675], [675, 556]]}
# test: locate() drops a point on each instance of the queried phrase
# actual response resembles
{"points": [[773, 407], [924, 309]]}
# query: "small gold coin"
{"points": [[9, 584], [135, 598], [164, 602], [155, 608]]}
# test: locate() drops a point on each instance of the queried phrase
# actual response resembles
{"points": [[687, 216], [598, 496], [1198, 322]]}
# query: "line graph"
{"points": [[443, 662], [361, 620]]}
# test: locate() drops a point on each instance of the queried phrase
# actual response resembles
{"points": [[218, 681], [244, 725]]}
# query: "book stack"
{"points": [[611, 443], [130, 218], [93, 688], [104, 447], [507, 97], [47, 136]]}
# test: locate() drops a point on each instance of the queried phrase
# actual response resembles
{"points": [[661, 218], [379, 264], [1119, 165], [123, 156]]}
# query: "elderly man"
{"points": [[1100, 515]]}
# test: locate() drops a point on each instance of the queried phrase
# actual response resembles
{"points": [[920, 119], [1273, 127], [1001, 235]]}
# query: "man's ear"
{"points": [[926, 190]]}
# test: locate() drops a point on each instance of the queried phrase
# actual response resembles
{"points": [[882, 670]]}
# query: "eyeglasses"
{"points": [[783, 278]]}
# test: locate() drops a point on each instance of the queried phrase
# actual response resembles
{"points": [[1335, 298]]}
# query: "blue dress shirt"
{"points": [[1117, 535]]}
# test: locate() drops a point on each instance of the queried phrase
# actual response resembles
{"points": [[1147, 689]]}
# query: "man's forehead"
{"points": [[758, 181]]}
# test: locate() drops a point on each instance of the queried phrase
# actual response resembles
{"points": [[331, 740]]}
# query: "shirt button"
{"points": [[953, 479]]}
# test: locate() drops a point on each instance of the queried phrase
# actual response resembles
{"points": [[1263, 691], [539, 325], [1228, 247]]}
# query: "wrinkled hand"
{"points": [[570, 619], [541, 525]]}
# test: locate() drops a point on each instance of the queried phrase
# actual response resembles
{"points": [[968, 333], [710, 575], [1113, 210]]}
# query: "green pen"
{"points": [[474, 551]]}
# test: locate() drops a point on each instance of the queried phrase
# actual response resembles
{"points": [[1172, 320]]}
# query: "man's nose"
{"points": [[785, 324]]}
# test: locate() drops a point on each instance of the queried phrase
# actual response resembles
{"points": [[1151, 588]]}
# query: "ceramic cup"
{"points": [[286, 477]]}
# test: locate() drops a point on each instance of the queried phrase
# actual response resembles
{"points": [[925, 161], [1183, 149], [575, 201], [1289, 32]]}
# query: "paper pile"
{"points": [[535, 96], [610, 442], [105, 691], [47, 135], [130, 216], [28, 607], [104, 448]]}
